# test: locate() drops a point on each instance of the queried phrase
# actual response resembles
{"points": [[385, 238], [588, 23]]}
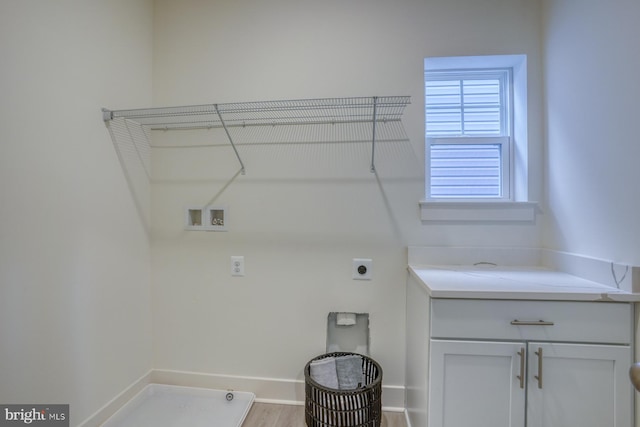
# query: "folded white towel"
{"points": [[349, 369], [323, 371]]}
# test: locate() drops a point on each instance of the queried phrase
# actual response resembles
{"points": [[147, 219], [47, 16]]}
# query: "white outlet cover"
{"points": [[362, 269], [237, 265]]}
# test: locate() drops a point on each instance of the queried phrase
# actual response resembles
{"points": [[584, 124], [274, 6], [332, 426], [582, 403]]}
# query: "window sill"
{"points": [[477, 211]]}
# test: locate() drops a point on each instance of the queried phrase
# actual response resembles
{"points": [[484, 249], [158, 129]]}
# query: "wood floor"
{"points": [[271, 415]]}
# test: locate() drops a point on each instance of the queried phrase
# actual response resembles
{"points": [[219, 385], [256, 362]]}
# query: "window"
{"points": [[468, 133], [477, 140]]}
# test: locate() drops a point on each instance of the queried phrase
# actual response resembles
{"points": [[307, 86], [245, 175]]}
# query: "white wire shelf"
{"points": [[325, 111], [291, 112]]}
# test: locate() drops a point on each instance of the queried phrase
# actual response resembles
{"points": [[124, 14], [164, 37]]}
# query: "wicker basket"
{"points": [[361, 407]]}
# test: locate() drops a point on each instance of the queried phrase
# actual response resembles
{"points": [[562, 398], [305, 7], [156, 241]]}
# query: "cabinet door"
{"points": [[578, 385], [476, 384]]}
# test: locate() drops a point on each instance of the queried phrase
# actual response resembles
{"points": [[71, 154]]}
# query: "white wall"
{"points": [[592, 59], [74, 261], [75, 322], [74, 304], [300, 214]]}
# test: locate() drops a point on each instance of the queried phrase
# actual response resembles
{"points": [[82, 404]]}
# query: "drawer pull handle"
{"points": [[539, 376], [517, 322], [521, 376]]}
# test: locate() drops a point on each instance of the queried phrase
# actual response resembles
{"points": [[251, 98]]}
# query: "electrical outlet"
{"points": [[362, 269], [237, 266]]}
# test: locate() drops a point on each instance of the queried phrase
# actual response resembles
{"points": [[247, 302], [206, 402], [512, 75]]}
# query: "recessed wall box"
{"points": [[193, 218], [209, 218], [216, 218]]}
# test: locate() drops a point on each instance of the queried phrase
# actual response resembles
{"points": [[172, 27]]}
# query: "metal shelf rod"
{"points": [[207, 125]]}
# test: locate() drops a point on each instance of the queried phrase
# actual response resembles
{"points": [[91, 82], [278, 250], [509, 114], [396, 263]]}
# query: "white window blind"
{"points": [[467, 130]]}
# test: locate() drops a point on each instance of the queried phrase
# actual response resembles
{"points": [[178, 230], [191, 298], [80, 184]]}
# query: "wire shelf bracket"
{"points": [[226, 130], [323, 111], [373, 135]]}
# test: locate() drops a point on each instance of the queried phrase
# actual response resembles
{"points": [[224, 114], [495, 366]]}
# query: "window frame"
{"points": [[503, 139]]}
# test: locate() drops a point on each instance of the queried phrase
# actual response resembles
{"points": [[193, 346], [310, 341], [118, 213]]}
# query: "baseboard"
{"points": [[393, 398], [267, 390], [101, 415]]}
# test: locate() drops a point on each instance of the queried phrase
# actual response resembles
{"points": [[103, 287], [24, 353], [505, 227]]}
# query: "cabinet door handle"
{"points": [[539, 376], [517, 322], [521, 376]]}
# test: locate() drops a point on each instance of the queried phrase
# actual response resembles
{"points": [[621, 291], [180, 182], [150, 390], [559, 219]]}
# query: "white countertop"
{"points": [[522, 283]]}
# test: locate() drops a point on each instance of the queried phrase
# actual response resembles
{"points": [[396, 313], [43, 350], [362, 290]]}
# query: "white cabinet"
{"points": [[510, 363], [578, 385], [475, 383]]}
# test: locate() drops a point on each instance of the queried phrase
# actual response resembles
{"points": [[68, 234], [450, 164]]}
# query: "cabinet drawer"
{"points": [[600, 322]]}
